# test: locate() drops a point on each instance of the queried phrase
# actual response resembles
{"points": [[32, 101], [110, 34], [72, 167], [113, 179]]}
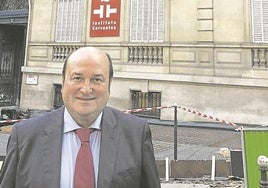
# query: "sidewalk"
{"points": [[211, 124], [202, 183], [180, 185]]}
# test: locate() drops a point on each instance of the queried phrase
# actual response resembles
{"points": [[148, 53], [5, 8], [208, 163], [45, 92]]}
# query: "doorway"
{"points": [[13, 28], [12, 45]]}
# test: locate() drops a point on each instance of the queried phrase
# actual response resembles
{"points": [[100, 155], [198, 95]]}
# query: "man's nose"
{"points": [[87, 87]]}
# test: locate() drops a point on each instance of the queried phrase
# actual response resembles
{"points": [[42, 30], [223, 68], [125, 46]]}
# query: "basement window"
{"points": [[141, 100], [58, 102]]}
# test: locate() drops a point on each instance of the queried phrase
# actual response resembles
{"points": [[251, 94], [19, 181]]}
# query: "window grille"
{"points": [[260, 21], [7, 62], [69, 20], [7, 94], [58, 102], [146, 100], [147, 21]]}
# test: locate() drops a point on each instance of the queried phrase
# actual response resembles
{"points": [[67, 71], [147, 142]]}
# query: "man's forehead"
{"points": [[88, 51], [88, 55]]}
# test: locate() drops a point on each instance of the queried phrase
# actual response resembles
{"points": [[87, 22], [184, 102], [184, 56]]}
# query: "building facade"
{"points": [[207, 55]]}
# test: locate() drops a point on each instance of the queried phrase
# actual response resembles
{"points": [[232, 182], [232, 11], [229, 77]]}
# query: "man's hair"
{"points": [[111, 70]]}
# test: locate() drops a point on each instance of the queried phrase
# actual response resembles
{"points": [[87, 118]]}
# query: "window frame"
{"points": [[69, 20], [143, 13], [259, 17]]}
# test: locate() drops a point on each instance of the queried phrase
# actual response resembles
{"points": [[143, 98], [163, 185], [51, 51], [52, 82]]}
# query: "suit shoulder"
{"points": [[125, 116], [41, 119]]}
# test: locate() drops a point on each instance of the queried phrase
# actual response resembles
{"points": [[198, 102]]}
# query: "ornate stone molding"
{"points": [[259, 58]]}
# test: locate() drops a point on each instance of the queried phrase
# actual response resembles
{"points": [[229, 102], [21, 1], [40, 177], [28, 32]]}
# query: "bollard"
{"points": [[213, 167], [263, 167], [167, 170]]}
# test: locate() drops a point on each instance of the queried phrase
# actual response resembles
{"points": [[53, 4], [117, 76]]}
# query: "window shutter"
{"points": [[69, 20], [257, 20], [160, 20], [260, 21], [133, 20], [140, 16], [147, 20], [265, 20]]}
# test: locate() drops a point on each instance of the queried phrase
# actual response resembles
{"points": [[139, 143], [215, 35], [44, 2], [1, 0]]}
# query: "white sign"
{"points": [[32, 79]]}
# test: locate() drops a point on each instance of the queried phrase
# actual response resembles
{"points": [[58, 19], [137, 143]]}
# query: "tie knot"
{"points": [[83, 134]]}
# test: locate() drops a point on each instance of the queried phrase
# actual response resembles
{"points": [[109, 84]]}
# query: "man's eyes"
{"points": [[77, 78], [95, 80]]}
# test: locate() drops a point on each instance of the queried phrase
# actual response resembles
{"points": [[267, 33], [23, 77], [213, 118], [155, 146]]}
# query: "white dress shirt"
{"points": [[71, 145]]}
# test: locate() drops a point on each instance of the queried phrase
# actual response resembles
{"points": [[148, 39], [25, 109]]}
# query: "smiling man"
{"points": [[85, 90], [84, 143]]}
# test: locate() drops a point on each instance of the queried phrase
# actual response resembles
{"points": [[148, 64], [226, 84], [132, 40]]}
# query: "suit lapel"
{"points": [[108, 148], [51, 149]]}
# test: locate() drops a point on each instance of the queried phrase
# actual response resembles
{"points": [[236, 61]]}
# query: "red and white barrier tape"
{"points": [[207, 116], [210, 117], [11, 120], [145, 109], [158, 108], [125, 111], [187, 110]]}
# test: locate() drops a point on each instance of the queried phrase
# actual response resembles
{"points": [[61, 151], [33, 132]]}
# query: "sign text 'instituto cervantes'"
{"points": [[105, 18]]}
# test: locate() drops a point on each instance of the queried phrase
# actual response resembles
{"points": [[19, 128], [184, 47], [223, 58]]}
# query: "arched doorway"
{"points": [[13, 27]]}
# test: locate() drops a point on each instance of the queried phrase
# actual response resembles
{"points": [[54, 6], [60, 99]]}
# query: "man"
{"points": [[42, 151]]}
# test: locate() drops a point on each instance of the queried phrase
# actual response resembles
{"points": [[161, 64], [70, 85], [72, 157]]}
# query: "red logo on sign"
{"points": [[105, 18]]}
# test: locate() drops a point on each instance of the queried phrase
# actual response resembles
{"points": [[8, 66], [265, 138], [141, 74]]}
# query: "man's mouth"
{"points": [[86, 98]]}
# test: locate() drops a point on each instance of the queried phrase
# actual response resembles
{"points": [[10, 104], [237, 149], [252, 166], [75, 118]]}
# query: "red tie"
{"points": [[84, 170]]}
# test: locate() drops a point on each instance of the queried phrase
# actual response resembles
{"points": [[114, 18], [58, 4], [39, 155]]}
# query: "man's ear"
{"points": [[62, 82]]}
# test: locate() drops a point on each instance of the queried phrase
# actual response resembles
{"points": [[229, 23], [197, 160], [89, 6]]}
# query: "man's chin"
{"points": [[86, 111]]}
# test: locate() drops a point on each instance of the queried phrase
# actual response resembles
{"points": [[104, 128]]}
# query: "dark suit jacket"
{"points": [[33, 156]]}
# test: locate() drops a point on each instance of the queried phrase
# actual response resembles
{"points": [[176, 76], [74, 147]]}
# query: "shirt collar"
{"points": [[71, 125]]}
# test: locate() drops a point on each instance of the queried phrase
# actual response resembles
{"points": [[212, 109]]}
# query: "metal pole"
{"points": [[263, 181], [263, 167], [175, 133]]}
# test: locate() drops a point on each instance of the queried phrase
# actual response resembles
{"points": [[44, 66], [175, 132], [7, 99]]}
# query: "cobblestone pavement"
{"points": [[194, 143], [201, 183]]}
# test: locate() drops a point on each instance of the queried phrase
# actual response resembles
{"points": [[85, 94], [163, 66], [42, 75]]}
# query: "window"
{"points": [[147, 21], [58, 102], [146, 100], [260, 21], [69, 20]]}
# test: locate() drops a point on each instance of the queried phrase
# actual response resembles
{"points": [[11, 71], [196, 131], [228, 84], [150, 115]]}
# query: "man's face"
{"points": [[85, 90]]}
